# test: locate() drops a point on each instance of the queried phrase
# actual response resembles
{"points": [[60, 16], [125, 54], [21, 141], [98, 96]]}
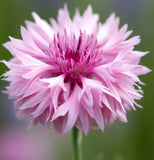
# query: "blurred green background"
{"points": [[131, 141]]}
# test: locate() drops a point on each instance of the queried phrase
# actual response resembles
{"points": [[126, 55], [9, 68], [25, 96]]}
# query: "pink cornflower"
{"points": [[74, 72]]}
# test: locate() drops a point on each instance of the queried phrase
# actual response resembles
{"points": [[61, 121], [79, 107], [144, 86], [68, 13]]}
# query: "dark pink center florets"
{"points": [[75, 56]]}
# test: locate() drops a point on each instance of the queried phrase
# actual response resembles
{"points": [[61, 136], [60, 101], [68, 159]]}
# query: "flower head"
{"points": [[74, 72]]}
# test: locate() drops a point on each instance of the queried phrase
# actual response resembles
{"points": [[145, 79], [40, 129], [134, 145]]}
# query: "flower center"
{"points": [[75, 56]]}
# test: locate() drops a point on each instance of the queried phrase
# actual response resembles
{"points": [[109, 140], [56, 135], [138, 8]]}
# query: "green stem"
{"points": [[77, 139]]}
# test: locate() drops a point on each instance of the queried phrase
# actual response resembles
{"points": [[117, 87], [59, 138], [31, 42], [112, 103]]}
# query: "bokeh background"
{"points": [[130, 141]]}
